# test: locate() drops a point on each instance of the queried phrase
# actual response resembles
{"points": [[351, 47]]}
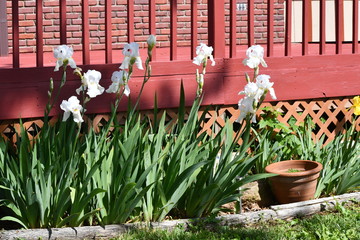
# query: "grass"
{"points": [[342, 224]]}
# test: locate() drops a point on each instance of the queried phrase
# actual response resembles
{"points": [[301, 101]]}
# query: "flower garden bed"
{"points": [[143, 170]]}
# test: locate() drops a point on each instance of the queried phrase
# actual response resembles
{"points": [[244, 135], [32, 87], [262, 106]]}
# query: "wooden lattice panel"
{"points": [[330, 116]]}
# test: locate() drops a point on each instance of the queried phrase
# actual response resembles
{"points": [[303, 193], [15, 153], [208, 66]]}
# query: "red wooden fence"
{"points": [[299, 70]]}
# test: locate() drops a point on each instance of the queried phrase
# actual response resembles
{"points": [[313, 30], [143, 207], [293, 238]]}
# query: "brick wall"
{"points": [[119, 23]]}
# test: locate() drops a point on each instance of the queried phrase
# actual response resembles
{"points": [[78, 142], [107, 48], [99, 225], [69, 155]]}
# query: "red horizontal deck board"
{"points": [[302, 77]]}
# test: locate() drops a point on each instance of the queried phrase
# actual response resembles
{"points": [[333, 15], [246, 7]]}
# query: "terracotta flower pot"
{"points": [[296, 181]]}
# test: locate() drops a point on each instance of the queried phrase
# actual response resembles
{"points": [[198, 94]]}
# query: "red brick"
{"points": [[94, 15], [30, 16], [97, 34], [48, 10], [97, 9], [73, 16], [29, 3], [50, 3], [31, 42], [73, 41], [97, 47], [26, 35], [51, 15], [22, 43], [52, 28], [118, 20], [52, 41], [27, 49], [26, 23], [76, 35], [73, 3], [48, 35], [26, 10], [76, 21], [97, 21], [73, 28], [30, 29]]}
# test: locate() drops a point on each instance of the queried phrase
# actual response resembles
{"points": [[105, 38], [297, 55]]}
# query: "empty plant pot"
{"points": [[296, 180]]}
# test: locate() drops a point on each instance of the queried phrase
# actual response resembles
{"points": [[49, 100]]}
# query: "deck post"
{"points": [[216, 27]]}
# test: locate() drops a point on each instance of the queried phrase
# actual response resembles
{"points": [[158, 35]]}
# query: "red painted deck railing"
{"points": [[216, 28], [300, 70]]}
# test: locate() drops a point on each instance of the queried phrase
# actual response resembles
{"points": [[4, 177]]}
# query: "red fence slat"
{"points": [[339, 25], [39, 34], [288, 22], [322, 27], [194, 11], [108, 34], [85, 32], [152, 23], [15, 33], [130, 19], [270, 29], [250, 22], [232, 28], [305, 26], [63, 22], [173, 30], [216, 26], [355, 30]]}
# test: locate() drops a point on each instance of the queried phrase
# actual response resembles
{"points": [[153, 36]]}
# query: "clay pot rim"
{"points": [[317, 169]]}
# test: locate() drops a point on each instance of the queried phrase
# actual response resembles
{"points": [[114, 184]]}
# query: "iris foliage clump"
{"points": [[139, 169]]}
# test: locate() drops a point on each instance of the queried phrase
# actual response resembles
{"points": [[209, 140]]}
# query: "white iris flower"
{"points": [[264, 84], [119, 79], [255, 56], [246, 107], [63, 53], [203, 52], [72, 106], [90, 82], [131, 53]]}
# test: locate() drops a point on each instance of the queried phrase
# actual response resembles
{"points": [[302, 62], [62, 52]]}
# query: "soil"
{"points": [[256, 196]]}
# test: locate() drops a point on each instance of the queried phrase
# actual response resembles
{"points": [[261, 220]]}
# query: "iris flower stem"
{"points": [[147, 76], [51, 101], [246, 134]]}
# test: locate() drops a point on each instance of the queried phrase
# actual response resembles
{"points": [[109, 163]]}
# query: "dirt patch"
{"points": [[256, 196]]}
